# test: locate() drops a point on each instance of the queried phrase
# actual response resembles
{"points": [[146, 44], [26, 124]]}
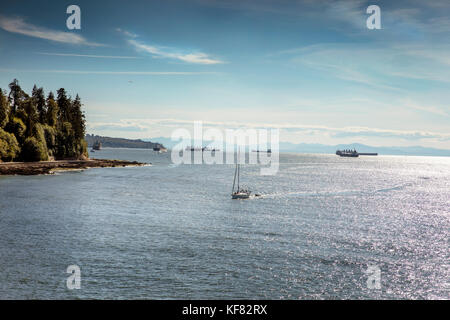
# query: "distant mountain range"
{"points": [[331, 149], [163, 142], [108, 142]]}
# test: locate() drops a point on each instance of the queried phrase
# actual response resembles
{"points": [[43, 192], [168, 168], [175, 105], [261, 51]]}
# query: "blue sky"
{"points": [[310, 68]]}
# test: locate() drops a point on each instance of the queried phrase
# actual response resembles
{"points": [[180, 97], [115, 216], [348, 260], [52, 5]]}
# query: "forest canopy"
{"points": [[38, 128]]}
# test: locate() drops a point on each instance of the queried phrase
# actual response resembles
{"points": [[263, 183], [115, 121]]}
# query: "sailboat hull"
{"points": [[240, 195]]}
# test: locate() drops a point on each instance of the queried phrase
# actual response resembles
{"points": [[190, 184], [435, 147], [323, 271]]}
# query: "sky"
{"points": [[312, 69]]}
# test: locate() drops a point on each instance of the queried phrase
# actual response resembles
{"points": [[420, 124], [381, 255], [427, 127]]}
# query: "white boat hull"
{"points": [[240, 195]]}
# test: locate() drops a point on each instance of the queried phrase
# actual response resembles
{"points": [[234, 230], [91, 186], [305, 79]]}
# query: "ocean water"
{"points": [[172, 232]]}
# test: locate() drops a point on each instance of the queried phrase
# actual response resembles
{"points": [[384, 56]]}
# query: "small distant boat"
{"points": [[240, 193], [190, 148], [203, 149], [97, 145], [160, 149], [268, 151]]}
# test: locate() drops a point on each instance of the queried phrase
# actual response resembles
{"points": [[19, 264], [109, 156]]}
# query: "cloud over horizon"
{"points": [[143, 125]]}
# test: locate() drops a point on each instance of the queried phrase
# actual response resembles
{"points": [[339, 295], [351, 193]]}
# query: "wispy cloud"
{"points": [[125, 125], [196, 58], [86, 55], [126, 33], [426, 108], [18, 25], [137, 73], [375, 66], [403, 17], [348, 62], [164, 52], [439, 53]]}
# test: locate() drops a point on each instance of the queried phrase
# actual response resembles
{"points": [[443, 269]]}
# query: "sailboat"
{"points": [[239, 193]]}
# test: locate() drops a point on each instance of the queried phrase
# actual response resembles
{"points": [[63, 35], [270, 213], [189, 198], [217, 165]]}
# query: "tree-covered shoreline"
{"points": [[38, 128]]}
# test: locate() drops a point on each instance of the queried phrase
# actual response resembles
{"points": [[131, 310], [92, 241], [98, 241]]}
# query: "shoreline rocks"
{"points": [[48, 167]]}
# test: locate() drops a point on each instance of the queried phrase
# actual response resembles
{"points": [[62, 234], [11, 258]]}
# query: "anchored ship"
{"points": [[190, 148], [160, 149], [268, 151], [353, 153], [97, 145]]}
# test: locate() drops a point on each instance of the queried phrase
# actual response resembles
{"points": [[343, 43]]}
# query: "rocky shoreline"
{"points": [[48, 167]]}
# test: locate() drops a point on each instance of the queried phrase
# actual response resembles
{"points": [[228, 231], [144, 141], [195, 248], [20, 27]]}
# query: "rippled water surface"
{"points": [[166, 231]]}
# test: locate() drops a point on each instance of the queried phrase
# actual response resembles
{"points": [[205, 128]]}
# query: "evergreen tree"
{"points": [[4, 109], [16, 95], [17, 128], [52, 111], [34, 128], [29, 115], [39, 100], [78, 119], [64, 105]]}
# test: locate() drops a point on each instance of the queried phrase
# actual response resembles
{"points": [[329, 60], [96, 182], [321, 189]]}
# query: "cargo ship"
{"points": [[353, 153]]}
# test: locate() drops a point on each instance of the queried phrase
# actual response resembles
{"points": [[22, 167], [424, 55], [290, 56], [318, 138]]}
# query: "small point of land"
{"points": [[48, 167]]}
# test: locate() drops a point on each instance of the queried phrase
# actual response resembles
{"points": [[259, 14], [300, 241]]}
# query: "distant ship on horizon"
{"points": [[268, 151], [353, 153], [160, 149], [190, 148], [97, 145]]}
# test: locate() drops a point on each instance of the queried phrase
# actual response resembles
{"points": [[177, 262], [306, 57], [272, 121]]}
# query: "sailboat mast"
{"points": [[234, 180], [238, 168]]}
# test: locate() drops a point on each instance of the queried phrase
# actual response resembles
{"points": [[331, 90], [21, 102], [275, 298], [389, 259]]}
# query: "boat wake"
{"points": [[395, 188], [306, 194], [342, 193]]}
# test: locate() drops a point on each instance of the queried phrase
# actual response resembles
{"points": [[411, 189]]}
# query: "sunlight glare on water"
{"points": [[165, 231]]}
